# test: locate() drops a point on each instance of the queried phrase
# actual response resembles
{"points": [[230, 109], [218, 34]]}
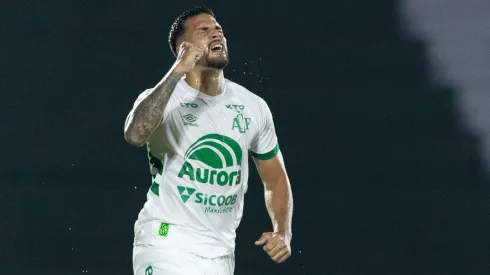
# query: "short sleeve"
{"points": [[264, 145]]}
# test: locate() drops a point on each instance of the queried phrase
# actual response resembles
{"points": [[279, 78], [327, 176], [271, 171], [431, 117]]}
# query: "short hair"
{"points": [[177, 28]]}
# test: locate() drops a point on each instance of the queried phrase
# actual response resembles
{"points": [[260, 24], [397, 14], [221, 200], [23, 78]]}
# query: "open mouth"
{"points": [[217, 47]]}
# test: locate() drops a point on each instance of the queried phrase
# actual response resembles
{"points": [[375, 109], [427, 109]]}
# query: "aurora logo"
{"points": [[221, 156]]}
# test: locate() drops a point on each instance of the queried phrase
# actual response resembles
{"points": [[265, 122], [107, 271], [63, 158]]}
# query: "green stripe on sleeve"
{"points": [[155, 188], [267, 155], [156, 162]]}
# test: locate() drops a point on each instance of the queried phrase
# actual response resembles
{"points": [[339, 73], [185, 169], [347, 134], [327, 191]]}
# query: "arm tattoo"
{"points": [[146, 116]]}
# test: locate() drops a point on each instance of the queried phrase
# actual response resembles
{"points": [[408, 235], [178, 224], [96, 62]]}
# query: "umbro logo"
{"points": [[189, 120], [190, 117]]}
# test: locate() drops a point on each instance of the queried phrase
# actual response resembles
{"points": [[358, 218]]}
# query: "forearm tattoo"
{"points": [[149, 112]]}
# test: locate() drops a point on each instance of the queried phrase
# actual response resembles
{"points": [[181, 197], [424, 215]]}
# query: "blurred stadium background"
{"points": [[381, 108]]}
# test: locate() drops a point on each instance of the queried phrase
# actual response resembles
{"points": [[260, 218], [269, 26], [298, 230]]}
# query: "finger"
{"points": [[200, 54], [184, 45], [201, 48], [183, 49], [285, 257], [187, 46], [196, 48], [197, 56], [263, 239], [269, 247], [279, 254], [196, 53], [278, 248]]}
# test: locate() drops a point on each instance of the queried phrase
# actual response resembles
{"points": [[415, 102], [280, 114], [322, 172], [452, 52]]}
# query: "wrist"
{"points": [[178, 72], [179, 68], [285, 234]]}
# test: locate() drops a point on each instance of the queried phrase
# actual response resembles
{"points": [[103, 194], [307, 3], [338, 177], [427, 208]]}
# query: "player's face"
{"points": [[203, 30]]}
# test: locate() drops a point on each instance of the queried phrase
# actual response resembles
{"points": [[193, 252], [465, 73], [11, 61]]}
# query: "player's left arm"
{"points": [[279, 203]]}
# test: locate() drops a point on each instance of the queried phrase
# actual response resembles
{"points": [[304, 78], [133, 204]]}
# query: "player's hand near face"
{"points": [[189, 54], [145, 116], [277, 245]]}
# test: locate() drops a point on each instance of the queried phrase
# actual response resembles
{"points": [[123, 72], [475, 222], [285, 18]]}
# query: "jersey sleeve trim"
{"points": [[155, 188], [267, 155]]}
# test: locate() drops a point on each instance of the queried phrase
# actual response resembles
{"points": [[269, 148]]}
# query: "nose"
{"points": [[216, 34]]}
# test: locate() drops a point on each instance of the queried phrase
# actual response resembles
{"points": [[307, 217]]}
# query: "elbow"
{"points": [[133, 138], [131, 134]]}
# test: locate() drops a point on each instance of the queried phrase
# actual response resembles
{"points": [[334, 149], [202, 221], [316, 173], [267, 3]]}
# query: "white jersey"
{"points": [[199, 165]]}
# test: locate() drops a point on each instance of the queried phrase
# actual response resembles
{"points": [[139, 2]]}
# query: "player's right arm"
{"points": [[146, 114]]}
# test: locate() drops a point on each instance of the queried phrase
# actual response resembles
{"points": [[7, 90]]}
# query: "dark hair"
{"points": [[177, 28]]}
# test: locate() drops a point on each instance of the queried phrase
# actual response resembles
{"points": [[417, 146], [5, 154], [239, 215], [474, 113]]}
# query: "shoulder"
{"points": [[245, 94]]}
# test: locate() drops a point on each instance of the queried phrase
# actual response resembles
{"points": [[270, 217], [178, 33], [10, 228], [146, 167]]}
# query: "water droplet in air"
{"points": [[135, 187]]}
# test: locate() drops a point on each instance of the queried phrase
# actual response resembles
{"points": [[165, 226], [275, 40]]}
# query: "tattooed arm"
{"points": [[145, 117]]}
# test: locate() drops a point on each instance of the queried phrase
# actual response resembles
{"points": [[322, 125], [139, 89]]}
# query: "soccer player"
{"points": [[198, 127]]}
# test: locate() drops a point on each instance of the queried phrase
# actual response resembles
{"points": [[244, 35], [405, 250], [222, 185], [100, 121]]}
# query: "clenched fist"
{"points": [[187, 58], [277, 245]]}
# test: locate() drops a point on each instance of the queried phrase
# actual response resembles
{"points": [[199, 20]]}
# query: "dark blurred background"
{"points": [[386, 179]]}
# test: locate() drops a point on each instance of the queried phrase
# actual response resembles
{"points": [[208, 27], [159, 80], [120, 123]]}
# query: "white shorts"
{"points": [[151, 260]]}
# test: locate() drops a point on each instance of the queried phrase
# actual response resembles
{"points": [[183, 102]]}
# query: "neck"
{"points": [[205, 80]]}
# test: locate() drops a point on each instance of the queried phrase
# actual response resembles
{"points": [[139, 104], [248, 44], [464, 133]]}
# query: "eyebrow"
{"points": [[218, 27]]}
